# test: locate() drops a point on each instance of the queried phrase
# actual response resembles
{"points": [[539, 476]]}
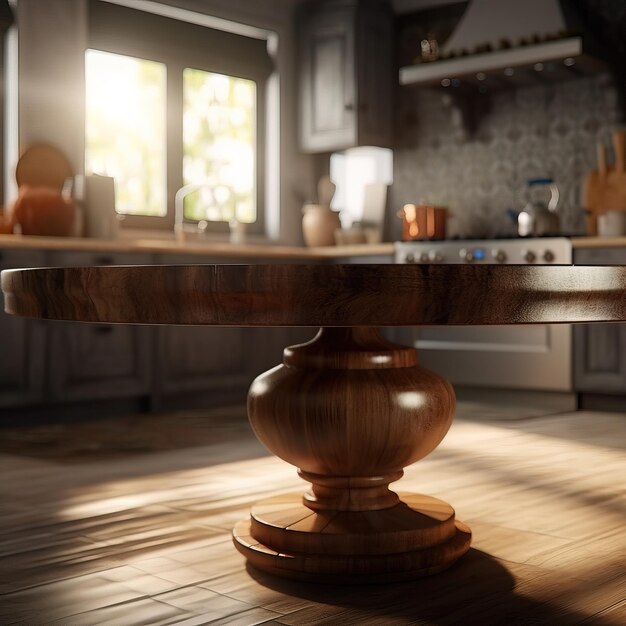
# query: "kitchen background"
{"points": [[549, 129], [541, 131], [331, 96], [125, 450]]}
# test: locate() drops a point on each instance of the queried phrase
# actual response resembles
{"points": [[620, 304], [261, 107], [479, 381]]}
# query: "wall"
{"points": [[536, 131], [52, 40]]}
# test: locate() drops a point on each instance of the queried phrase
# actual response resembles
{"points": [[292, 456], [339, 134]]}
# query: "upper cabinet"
{"points": [[346, 74]]}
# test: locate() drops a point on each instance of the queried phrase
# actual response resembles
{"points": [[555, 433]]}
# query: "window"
{"points": [[126, 129], [169, 104], [219, 120]]}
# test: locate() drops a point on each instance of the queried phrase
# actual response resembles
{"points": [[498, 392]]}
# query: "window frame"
{"points": [[111, 29]]}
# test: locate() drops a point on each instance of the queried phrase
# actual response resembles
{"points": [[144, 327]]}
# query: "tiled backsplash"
{"points": [[546, 130]]}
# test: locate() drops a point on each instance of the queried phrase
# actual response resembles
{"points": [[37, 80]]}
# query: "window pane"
{"points": [[126, 129], [219, 139]]}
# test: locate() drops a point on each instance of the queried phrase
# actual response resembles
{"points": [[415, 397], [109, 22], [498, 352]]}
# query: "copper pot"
{"points": [[423, 221]]}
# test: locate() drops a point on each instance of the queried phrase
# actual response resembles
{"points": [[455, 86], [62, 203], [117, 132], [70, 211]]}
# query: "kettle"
{"points": [[539, 217]]}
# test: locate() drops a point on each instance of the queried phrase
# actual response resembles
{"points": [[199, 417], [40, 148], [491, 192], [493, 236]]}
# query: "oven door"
{"points": [[536, 357]]}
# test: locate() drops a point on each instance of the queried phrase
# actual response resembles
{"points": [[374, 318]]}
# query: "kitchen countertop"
{"points": [[599, 242], [209, 248], [231, 250]]}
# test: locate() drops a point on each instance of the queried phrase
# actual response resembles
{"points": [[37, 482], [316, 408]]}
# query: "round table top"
{"points": [[319, 295]]}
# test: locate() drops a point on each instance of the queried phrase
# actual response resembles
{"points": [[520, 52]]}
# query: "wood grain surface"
{"points": [[349, 569], [350, 410], [314, 295], [349, 426]]}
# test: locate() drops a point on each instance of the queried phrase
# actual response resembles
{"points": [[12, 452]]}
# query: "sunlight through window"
{"points": [[219, 140], [126, 129]]}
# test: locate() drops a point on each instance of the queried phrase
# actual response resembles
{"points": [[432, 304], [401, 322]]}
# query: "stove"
{"points": [[532, 251], [533, 358]]}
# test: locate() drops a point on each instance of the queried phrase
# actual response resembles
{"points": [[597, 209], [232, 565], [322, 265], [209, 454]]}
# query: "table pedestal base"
{"points": [[416, 537], [351, 409]]}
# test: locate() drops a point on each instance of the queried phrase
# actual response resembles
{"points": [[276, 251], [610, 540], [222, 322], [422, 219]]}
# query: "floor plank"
{"points": [[137, 531]]}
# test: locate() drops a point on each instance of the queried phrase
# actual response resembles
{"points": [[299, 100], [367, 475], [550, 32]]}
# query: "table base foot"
{"points": [[415, 538]]}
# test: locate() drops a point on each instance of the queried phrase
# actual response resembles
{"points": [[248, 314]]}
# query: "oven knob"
{"points": [[424, 257], [435, 257], [409, 258], [466, 255], [548, 256], [499, 255], [529, 256]]}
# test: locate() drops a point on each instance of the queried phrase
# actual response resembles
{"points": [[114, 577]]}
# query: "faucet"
{"points": [[179, 213]]}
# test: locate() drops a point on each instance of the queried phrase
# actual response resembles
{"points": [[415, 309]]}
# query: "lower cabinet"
{"points": [[600, 358], [87, 361], [214, 364], [49, 363], [600, 349], [198, 358], [22, 343], [98, 361], [63, 362]]}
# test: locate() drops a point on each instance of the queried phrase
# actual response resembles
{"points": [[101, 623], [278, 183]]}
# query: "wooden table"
{"points": [[349, 409]]}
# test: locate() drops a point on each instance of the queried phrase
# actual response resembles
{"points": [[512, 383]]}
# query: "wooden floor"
{"points": [[123, 534]]}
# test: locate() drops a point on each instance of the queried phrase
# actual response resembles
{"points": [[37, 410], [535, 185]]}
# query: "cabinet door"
{"points": [[218, 360], [89, 361], [600, 349], [22, 343], [347, 75], [328, 98], [376, 75], [600, 358], [201, 358], [600, 256]]}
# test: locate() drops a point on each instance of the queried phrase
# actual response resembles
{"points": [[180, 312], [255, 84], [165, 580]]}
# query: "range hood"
{"points": [[501, 43]]}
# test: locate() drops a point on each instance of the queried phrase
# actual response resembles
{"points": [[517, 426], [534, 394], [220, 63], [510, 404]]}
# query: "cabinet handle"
{"points": [[103, 330], [104, 260]]}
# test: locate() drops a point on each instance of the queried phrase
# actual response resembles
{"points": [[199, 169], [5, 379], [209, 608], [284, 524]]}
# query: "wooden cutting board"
{"points": [[43, 165], [605, 188]]}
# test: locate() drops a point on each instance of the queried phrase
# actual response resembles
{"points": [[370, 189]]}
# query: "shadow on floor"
{"points": [[477, 590], [118, 437]]}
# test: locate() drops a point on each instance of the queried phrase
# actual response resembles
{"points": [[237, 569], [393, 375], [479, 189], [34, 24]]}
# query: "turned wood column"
{"points": [[350, 410]]}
